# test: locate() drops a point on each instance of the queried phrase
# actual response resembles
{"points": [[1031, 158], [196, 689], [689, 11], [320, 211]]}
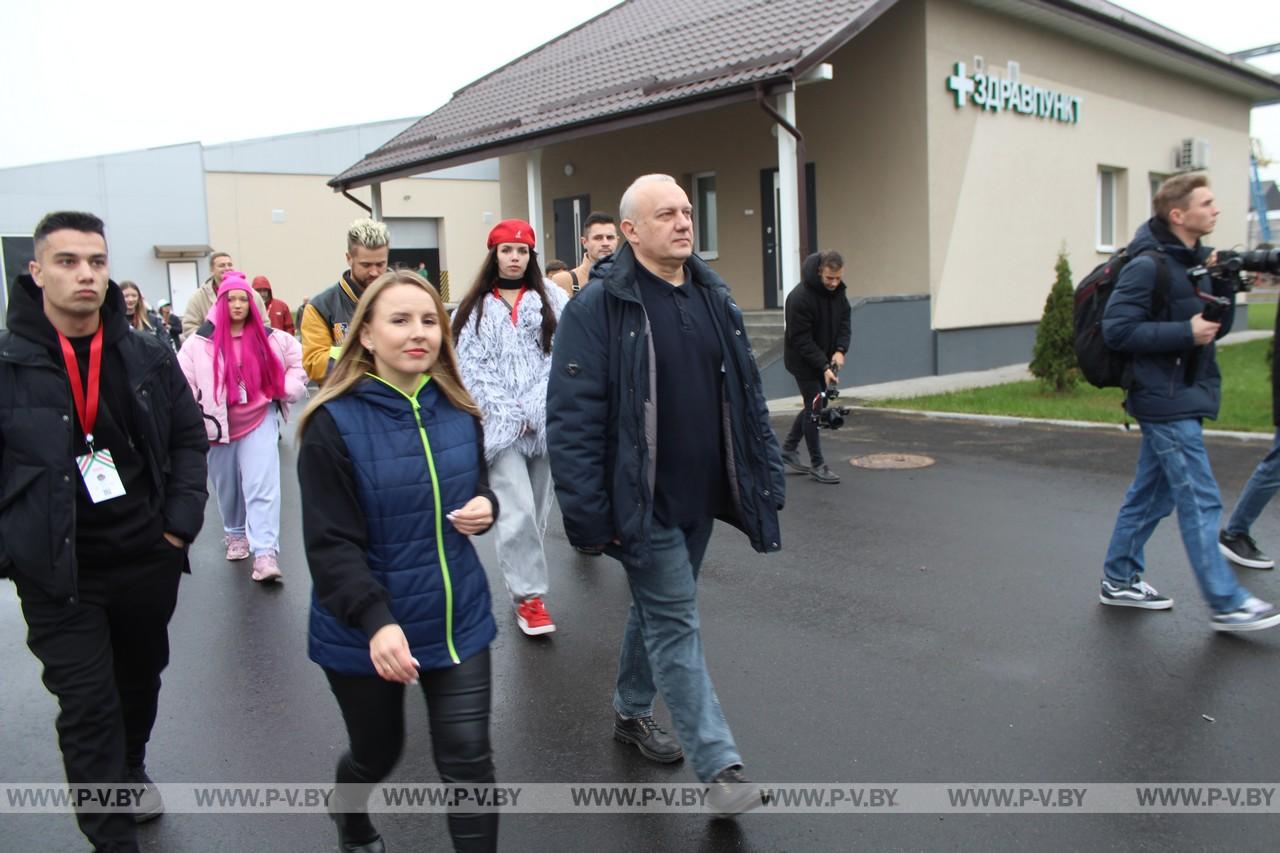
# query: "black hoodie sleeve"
{"points": [[844, 327], [333, 530], [185, 489]]}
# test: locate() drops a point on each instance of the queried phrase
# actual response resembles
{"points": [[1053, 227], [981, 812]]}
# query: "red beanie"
{"points": [[513, 231], [260, 282]]}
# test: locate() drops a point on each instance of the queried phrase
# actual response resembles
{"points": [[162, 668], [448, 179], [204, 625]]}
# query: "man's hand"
{"points": [[472, 517], [389, 651], [174, 540], [838, 360], [829, 376], [1203, 331]]}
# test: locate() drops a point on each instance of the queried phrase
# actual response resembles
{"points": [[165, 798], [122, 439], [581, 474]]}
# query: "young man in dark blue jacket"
{"points": [[1175, 385], [102, 488], [657, 425]]}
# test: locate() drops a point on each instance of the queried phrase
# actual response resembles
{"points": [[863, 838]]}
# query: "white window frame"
{"points": [[1106, 242], [1154, 180], [700, 216]]}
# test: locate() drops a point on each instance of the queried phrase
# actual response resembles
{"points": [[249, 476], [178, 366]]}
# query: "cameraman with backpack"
{"points": [[1175, 385], [817, 338]]}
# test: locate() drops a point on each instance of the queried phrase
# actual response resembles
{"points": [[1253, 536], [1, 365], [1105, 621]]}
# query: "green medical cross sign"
{"points": [[989, 92]]}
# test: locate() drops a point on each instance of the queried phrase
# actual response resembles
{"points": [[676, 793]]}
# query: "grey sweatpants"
{"points": [[523, 486]]}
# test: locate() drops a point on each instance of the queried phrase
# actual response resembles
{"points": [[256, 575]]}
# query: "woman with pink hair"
{"points": [[244, 375]]}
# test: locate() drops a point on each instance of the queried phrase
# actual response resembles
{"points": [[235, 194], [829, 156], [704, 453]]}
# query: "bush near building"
{"points": [[1054, 356]]}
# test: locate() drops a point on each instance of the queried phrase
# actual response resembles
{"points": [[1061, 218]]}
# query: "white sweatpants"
{"points": [[246, 481], [523, 486]]}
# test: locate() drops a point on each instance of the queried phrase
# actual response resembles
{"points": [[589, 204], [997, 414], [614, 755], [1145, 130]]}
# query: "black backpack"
{"points": [[1102, 366]]}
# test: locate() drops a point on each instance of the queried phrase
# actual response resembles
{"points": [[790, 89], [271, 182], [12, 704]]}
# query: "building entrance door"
{"points": [[770, 229], [570, 213]]}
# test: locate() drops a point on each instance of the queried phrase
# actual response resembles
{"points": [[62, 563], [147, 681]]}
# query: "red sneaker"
{"points": [[532, 617]]}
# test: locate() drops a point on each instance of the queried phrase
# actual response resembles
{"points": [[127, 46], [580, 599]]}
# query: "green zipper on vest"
{"points": [[435, 492]]}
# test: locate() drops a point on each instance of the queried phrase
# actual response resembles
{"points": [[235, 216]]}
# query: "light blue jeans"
{"points": [[663, 644], [1261, 487], [1174, 473]]}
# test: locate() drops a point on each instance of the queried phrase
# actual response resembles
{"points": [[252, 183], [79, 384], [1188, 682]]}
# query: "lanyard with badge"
{"points": [[97, 468]]}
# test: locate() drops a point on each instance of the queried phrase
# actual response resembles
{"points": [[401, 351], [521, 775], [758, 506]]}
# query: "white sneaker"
{"points": [[1254, 615]]}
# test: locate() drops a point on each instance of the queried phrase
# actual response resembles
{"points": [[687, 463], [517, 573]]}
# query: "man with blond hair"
{"points": [[1157, 313], [326, 317], [657, 425], [206, 294]]}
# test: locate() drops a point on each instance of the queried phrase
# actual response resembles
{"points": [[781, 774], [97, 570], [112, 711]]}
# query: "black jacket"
{"points": [[817, 323], [37, 471], [602, 418], [1173, 379]]}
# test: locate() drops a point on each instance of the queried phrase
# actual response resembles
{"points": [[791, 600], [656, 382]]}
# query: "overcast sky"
{"points": [[85, 77]]}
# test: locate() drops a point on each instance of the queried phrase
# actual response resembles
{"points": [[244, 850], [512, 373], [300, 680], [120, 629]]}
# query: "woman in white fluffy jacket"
{"points": [[502, 331]]}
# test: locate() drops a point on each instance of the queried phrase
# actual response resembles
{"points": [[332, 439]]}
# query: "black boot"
{"points": [[356, 833], [652, 741]]}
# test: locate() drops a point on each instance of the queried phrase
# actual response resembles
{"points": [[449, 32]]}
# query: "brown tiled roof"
{"points": [[638, 56]]}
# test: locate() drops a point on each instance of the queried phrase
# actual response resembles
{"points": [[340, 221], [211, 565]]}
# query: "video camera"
{"points": [[1226, 269], [825, 415]]}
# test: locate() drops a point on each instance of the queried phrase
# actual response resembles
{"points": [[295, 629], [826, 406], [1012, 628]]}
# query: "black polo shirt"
{"points": [[691, 484]]}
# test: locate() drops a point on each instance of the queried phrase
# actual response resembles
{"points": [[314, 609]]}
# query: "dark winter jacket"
{"points": [[379, 471], [1173, 379], [38, 471], [817, 323], [601, 416]]}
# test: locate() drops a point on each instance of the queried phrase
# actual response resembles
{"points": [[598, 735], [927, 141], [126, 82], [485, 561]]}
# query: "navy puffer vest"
{"points": [[413, 465]]}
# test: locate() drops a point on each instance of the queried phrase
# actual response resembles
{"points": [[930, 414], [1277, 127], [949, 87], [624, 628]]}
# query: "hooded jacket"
{"points": [[1173, 379], [602, 416], [196, 360], [818, 323], [38, 471], [278, 314]]}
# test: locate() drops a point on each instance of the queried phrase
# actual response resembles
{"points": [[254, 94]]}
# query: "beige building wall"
{"points": [[1008, 190], [306, 253]]}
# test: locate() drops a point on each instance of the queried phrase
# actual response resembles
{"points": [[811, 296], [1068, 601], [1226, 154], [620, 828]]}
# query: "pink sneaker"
{"points": [[237, 547], [265, 569]]}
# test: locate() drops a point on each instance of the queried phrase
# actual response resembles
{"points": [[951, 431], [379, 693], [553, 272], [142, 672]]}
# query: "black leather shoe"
{"points": [[653, 743], [149, 805], [730, 793], [356, 834]]}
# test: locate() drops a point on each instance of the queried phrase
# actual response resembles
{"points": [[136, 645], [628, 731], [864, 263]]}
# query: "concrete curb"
{"points": [[1010, 420]]}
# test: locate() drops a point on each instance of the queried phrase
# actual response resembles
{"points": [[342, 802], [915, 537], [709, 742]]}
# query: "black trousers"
{"points": [[458, 708], [809, 388], [102, 659]]}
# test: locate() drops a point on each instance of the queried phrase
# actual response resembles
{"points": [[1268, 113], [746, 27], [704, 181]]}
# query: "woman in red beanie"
{"points": [[503, 331]]}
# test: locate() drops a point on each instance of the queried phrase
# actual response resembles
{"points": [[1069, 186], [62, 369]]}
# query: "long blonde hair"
{"points": [[139, 319], [355, 361]]}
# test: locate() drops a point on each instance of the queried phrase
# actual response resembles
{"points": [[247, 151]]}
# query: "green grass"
{"points": [[1262, 315], [1246, 396]]}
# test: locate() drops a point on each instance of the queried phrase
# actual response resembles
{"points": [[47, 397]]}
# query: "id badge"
{"points": [[98, 470], [244, 394]]}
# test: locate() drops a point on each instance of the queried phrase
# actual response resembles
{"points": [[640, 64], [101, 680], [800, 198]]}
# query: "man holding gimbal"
{"points": [[1157, 314], [817, 339]]}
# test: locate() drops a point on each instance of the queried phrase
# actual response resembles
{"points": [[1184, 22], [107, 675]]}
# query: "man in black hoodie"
{"points": [[817, 339], [102, 488]]}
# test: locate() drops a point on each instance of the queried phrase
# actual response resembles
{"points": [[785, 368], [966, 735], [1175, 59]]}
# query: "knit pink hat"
{"points": [[233, 280]]}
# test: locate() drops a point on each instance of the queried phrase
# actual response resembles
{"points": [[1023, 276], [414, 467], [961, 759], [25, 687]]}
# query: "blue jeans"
{"points": [[663, 644], [1261, 487], [1173, 472]]}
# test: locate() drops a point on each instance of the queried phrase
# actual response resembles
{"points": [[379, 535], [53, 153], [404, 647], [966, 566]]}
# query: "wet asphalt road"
{"points": [[935, 625]]}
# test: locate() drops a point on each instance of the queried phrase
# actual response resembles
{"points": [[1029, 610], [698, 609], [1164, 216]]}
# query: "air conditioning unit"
{"points": [[1192, 155]]}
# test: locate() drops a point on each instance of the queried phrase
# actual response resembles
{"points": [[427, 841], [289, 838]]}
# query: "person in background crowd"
{"points": [[503, 330], [554, 266], [297, 315], [140, 317], [393, 478], [103, 478], [171, 321], [278, 312], [422, 270], [242, 373], [599, 239], [325, 318], [207, 293]]}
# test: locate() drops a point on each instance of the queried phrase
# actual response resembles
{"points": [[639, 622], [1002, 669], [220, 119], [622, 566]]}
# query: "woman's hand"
{"points": [[472, 517], [389, 651]]}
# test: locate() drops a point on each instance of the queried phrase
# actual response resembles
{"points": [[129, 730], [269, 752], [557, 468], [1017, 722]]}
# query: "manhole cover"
{"points": [[892, 460]]}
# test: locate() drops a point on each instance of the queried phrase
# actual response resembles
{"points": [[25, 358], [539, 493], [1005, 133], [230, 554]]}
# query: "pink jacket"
{"points": [[196, 360]]}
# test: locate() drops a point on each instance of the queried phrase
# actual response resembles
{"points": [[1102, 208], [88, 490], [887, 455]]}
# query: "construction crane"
{"points": [[1256, 156]]}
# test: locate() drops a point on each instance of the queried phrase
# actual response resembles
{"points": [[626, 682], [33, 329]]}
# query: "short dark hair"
{"points": [[555, 266], [597, 218], [830, 260], [67, 220]]}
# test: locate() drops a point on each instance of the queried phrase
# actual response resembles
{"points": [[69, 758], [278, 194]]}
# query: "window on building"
{"points": [[1155, 180], [704, 214], [1108, 206]]}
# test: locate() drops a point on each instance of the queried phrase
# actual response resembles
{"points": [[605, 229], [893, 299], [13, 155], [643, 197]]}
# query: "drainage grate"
{"points": [[891, 461]]}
